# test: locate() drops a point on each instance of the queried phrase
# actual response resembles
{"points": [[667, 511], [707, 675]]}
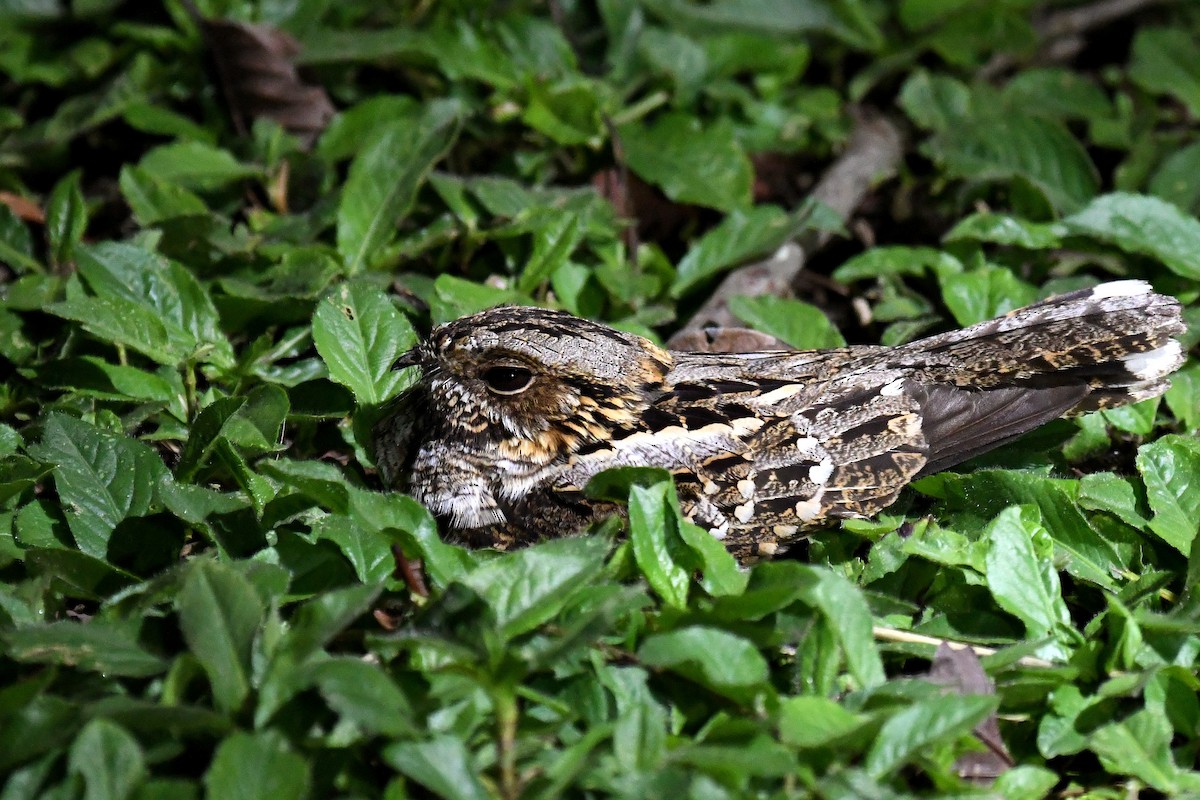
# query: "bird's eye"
{"points": [[507, 380]]}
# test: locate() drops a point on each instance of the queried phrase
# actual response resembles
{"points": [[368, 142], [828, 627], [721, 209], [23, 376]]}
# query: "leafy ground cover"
{"points": [[210, 262]]}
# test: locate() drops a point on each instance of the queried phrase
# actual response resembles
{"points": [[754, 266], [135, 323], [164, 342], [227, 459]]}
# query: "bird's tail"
{"points": [[1095, 348], [1115, 339]]}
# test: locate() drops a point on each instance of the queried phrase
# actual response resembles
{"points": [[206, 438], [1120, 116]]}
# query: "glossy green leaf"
{"points": [[257, 766], [219, 615], [1019, 574], [66, 218], [384, 178], [691, 163], [527, 587], [1170, 468], [103, 478], [442, 765], [1035, 149], [923, 724], [96, 647], [796, 323], [108, 760], [716, 659], [360, 334], [195, 165], [740, 236], [983, 294], [655, 546], [1144, 226], [1164, 61]]}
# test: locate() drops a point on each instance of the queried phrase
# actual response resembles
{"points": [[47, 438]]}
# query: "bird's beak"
{"points": [[410, 359]]}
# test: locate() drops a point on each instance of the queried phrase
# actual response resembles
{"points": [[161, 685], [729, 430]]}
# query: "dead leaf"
{"points": [[725, 340], [23, 208], [959, 668], [259, 79]]}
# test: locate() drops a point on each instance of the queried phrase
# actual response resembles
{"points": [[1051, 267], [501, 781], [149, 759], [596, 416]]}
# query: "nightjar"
{"points": [[517, 408]]}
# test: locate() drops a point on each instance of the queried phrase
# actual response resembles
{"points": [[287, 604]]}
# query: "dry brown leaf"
{"points": [[960, 669], [23, 207], [259, 79]]}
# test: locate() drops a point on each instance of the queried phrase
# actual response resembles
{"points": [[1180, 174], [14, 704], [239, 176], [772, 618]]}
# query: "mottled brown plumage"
{"points": [[517, 408]]}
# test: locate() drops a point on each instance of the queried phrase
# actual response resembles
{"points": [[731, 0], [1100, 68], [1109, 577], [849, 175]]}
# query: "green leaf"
{"points": [[368, 551], [257, 766], [96, 377], [153, 199], [651, 532], [1172, 181], [1140, 745], [1183, 398], [527, 587], [1104, 491], [1039, 150], [360, 334], [410, 524], [1164, 61], [1020, 574], [720, 574], [640, 733], [441, 764], [727, 664], [16, 245], [324, 617], [101, 477], [66, 219], [146, 303], [195, 165], [985, 493], [810, 722], [205, 434], [785, 19], [923, 724], [96, 647], [742, 235], [986, 226], [363, 693], [935, 102], [108, 760], [799, 324], [553, 243], [844, 606], [1143, 225], [690, 163], [1058, 92], [1171, 469], [82, 575], [219, 615], [384, 179], [982, 294], [881, 262]]}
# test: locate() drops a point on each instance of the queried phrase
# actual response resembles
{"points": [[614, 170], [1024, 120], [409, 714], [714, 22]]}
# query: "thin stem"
{"points": [[908, 637]]}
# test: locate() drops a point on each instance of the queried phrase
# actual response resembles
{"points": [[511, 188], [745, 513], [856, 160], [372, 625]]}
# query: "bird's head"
{"points": [[534, 383]]}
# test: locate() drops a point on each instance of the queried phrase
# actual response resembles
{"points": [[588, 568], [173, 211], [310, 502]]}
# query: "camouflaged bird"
{"points": [[517, 408]]}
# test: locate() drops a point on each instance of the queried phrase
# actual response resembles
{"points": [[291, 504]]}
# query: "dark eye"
{"points": [[507, 380]]}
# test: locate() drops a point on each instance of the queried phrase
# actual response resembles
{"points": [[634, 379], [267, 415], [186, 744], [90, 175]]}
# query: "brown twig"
{"points": [[873, 154], [1060, 33]]}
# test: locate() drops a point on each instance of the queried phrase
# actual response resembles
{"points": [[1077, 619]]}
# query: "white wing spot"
{"points": [[1155, 363], [819, 473], [1120, 289], [744, 512], [893, 389], [746, 488], [809, 509]]}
